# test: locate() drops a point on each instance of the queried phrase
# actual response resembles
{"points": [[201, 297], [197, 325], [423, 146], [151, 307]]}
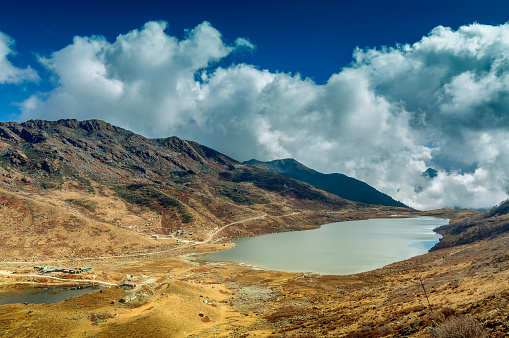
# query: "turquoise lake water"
{"points": [[337, 248]]}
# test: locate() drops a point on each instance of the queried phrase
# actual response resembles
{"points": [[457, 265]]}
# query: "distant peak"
{"points": [[287, 161], [430, 172], [338, 184], [253, 161]]}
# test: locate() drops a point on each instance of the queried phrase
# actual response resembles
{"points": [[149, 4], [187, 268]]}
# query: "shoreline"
{"points": [[218, 247], [261, 251]]}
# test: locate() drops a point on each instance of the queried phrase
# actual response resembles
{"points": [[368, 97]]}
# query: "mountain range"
{"points": [[338, 184], [78, 188]]}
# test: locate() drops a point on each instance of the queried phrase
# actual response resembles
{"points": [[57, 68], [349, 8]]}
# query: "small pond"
{"points": [[50, 294], [337, 248]]}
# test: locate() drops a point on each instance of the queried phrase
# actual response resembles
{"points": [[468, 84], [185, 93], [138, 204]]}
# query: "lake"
{"points": [[337, 248]]}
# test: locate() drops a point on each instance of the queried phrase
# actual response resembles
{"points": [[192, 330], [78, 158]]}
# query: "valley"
{"points": [[91, 194], [180, 297]]}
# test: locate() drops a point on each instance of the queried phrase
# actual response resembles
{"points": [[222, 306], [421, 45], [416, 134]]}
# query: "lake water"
{"points": [[337, 248], [51, 294]]}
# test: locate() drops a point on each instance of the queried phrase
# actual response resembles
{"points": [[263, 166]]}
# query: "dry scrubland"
{"points": [[88, 193], [178, 297]]}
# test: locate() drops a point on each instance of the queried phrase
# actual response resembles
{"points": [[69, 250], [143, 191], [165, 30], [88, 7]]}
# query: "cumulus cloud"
{"points": [[441, 102], [146, 78], [8, 72]]}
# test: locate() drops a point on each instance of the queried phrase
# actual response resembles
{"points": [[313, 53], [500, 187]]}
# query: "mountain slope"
{"points": [[489, 224], [338, 184], [66, 180], [95, 150]]}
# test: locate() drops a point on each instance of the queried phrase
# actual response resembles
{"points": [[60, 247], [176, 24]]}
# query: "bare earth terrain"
{"points": [[179, 297]]}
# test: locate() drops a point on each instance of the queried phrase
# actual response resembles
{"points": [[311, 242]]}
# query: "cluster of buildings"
{"points": [[64, 269], [126, 285]]}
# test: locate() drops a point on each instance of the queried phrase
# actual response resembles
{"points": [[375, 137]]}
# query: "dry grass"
{"points": [[284, 313], [459, 327]]}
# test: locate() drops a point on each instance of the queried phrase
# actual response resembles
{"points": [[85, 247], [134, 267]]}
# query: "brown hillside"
{"points": [[490, 224], [86, 188]]}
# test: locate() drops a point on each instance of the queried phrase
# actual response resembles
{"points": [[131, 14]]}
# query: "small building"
{"points": [[127, 285], [128, 298], [155, 236], [49, 268]]}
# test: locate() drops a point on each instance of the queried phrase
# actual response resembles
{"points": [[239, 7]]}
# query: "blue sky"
{"points": [[377, 90], [313, 38]]}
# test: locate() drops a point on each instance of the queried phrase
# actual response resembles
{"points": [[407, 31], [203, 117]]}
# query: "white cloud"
{"points": [[8, 72], [441, 102], [244, 43]]}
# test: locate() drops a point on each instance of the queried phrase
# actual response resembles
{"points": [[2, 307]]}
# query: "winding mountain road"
{"points": [[187, 245]]}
